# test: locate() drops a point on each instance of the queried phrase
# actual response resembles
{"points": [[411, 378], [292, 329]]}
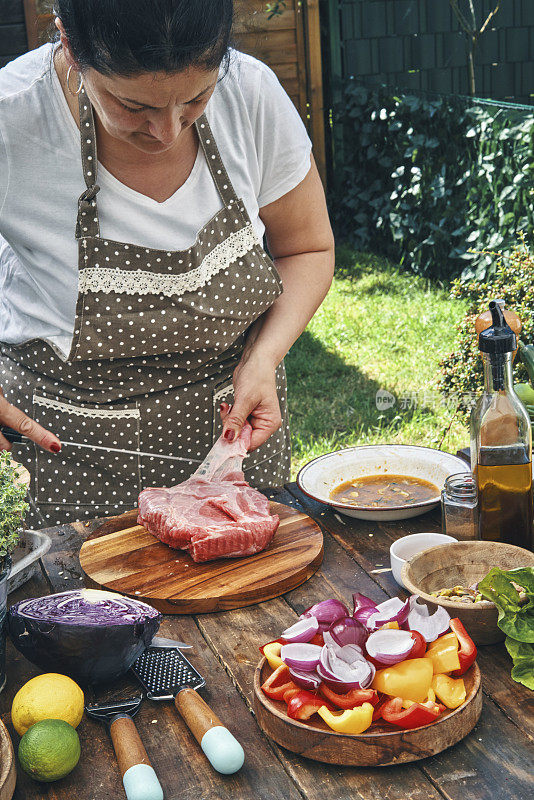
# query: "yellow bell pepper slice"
{"points": [[271, 652], [390, 626], [410, 679], [431, 698], [451, 691], [443, 653], [354, 720]]}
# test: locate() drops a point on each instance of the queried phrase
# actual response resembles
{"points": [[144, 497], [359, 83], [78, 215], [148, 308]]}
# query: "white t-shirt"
{"points": [[261, 138]]}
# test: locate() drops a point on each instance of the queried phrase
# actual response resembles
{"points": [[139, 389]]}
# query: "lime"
{"points": [[48, 696], [49, 750]]}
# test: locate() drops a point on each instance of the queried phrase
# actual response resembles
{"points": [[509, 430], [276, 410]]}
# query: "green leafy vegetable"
{"points": [[523, 671], [516, 616], [523, 657], [13, 506]]}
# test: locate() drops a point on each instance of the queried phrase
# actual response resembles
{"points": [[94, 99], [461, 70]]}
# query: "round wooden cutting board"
{"points": [[381, 745], [122, 556]]}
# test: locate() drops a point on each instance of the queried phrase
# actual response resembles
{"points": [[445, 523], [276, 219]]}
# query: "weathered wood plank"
{"points": [[251, 15]]}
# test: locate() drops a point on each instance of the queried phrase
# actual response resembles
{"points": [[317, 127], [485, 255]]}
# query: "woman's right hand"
{"points": [[12, 417]]}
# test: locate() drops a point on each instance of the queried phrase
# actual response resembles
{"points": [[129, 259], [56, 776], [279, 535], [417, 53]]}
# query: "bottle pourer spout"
{"points": [[497, 316], [499, 338]]}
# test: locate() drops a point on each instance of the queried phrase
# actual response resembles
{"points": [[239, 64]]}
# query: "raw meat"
{"points": [[215, 513]]}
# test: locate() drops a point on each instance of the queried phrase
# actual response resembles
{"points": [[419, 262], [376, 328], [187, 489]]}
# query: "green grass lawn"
{"points": [[379, 328]]}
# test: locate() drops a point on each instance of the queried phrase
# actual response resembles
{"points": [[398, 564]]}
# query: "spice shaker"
{"points": [[459, 506]]}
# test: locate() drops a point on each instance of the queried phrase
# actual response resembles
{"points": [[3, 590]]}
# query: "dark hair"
{"points": [[127, 37]]}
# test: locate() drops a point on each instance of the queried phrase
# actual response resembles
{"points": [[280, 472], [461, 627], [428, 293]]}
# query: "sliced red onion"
{"points": [[364, 613], [337, 686], [308, 680], [345, 666], [350, 653], [301, 656], [390, 646], [361, 601], [393, 610], [347, 630], [301, 631], [430, 626], [326, 612]]}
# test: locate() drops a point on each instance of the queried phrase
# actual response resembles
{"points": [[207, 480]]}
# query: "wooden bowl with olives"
{"points": [[455, 568]]}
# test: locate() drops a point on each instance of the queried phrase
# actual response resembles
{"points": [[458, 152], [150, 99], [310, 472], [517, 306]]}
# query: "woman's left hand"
{"points": [[255, 399]]}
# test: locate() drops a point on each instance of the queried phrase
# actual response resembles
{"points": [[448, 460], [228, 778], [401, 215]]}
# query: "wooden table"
{"points": [[494, 761]]}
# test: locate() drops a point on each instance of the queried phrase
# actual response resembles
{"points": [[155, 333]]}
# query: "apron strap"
{"points": [[87, 222], [215, 162]]}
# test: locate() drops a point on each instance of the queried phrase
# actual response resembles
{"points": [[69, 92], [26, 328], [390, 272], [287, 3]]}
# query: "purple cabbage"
{"points": [[91, 635]]}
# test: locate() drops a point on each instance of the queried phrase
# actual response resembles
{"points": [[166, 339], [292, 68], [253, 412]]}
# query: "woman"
{"points": [[138, 303]]}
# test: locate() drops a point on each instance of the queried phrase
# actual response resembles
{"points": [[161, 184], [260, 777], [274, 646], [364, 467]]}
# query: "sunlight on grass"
{"points": [[379, 329]]}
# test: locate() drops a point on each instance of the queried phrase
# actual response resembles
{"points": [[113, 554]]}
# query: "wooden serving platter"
{"points": [[381, 745], [124, 557], [8, 770]]}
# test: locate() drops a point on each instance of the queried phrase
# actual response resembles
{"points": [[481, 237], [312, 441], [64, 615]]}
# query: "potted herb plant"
{"points": [[13, 507]]}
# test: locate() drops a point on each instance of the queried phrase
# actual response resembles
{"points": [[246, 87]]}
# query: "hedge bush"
{"points": [[425, 180], [513, 281]]}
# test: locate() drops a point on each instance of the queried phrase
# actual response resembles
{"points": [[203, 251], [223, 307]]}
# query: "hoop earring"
{"points": [[80, 83]]}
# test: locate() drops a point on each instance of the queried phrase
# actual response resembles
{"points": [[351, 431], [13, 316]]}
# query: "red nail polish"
{"points": [[55, 448], [229, 436]]}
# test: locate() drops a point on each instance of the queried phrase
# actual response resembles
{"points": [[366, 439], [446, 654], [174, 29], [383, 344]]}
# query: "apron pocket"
{"points": [[274, 445], [84, 476]]}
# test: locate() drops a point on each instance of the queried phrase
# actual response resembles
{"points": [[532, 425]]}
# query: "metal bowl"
{"points": [[319, 477]]}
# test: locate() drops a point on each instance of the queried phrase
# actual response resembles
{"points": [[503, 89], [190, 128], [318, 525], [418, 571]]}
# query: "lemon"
{"points": [[49, 696], [49, 750]]}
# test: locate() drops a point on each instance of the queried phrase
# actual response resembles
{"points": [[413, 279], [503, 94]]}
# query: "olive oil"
{"points": [[504, 477], [501, 442]]}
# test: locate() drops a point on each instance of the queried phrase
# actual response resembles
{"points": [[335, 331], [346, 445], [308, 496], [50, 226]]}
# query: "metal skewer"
{"points": [[14, 436]]}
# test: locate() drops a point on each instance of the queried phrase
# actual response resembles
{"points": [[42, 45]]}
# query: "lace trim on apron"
{"points": [[107, 279], [126, 413]]}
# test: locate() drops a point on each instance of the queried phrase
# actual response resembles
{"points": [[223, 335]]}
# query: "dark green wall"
{"points": [[13, 41], [418, 45]]}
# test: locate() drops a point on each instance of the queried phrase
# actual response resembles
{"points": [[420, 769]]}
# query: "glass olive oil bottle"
{"points": [[501, 443]]}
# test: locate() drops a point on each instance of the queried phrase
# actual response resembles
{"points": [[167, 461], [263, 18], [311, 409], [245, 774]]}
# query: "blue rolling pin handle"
{"points": [[222, 750], [141, 783]]}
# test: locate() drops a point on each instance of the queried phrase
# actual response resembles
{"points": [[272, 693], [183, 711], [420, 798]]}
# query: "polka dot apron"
{"points": [[157, 335]]}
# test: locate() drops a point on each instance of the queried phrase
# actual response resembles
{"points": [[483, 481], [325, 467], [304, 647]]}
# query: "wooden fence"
{"points": [[289, 43], [418, 45]]}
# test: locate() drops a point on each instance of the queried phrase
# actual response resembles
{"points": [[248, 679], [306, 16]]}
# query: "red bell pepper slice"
{"points": [[305, 704], [419, 648], [356, 697], [278, 683], [377, 713], [289, 693], [317, 639], [467, 651], [413, 717]]}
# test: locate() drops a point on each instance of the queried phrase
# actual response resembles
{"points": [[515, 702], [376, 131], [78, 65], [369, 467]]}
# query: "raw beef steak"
{"points": [[215, 513]]}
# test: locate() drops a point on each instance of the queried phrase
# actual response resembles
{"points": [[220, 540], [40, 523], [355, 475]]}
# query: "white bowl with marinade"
{"points": [[380, 482]]}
